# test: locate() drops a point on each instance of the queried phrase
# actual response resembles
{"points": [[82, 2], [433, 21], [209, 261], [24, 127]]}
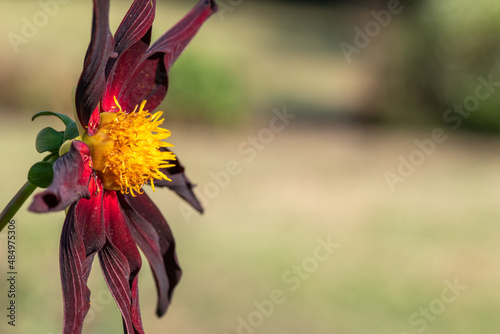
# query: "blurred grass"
{"points": [[396, 248]]}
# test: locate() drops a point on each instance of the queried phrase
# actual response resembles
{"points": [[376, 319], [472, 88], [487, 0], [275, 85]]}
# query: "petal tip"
{"points": [[44, 202], [213, 5]]}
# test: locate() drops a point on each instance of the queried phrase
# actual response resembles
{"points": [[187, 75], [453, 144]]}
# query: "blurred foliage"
{"points": [[204, 91], [438, 52], [464, 41]]}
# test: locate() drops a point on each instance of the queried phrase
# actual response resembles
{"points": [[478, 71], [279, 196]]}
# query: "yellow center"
{"points": [[126, 149]]}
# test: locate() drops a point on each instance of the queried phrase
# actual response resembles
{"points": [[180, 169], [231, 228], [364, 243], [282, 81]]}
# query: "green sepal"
{"points": [[41, 174], [71, 131], [62, 117], [48, 140]]}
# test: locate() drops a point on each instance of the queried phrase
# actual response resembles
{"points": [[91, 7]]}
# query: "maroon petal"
{"points": [[120, 263], [180, 183], [144, 207], [93, 80], [82, 236], [136, 23], [72, 172], [173, 42], [119, 74], [147, 238], [131, 43], [90, 213], [150, 80], [75, 267]]}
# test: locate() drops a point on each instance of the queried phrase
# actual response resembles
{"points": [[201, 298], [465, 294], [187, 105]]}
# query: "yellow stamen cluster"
{"points": [[126, 149]]}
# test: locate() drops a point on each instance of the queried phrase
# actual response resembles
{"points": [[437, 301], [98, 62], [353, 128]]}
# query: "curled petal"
{"points": [[72, 173], [131, 43], [90, 214], [93, 79], [150, 79], [147, 239], [75, 267], [179, 183], [120, 263], [148, 82], [82, 236], [119, 74], [136, 23], [174, 41], [144, 207]]}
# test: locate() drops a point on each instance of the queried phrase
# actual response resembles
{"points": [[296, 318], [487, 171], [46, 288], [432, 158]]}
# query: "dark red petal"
{"points": [[173, 42], [95, 119], [143, 206], [120, 263], [75, 268], [180, 183], [93, 80], [119, 74], [91, 215], [70, 183], [150, 80], [131, 43], [147, 238], [136, 23]]}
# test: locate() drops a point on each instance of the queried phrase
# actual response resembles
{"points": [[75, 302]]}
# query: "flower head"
{"points": [[126, 150], [100, 173]]}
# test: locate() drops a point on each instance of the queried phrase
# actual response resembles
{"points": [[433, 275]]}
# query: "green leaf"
{"points": [[49, 140], [62, 117], [51, 157], [71, 131], [41, 174]]}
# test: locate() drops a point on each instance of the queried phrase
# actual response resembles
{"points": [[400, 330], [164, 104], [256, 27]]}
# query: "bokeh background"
{"points": [[367, 84]]}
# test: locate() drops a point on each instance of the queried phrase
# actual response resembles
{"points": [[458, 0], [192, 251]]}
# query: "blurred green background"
{"points": [[367, 83]]}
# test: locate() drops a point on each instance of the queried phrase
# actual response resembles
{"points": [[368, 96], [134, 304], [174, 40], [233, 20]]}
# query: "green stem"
{"points": [[15, 203]]}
